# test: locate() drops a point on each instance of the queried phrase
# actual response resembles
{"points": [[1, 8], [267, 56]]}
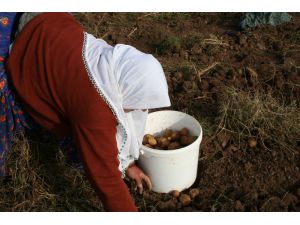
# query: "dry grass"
{"points": [[42, 181], [274, 124], [93, 23], [214, 41]]}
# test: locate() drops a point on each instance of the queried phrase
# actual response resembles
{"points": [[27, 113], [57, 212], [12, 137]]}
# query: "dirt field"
{"points": [[243, 87]]}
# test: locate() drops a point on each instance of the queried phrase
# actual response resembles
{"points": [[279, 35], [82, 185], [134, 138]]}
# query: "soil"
{"points": [[202, 53]]}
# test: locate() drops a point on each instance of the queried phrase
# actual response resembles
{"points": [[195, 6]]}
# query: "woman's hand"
{"points": [[136, 174]]}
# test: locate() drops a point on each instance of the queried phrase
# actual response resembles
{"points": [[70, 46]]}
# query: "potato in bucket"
{"points": [[169, 140]]}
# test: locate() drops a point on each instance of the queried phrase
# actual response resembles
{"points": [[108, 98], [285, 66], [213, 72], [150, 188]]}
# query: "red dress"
{"points": [[47, 70]]}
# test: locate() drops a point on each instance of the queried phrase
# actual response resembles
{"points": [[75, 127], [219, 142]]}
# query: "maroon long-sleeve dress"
{"points": [[47, 70]]}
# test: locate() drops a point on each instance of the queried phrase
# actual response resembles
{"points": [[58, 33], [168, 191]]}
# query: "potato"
{"points": [[159, 141], [148, 145], [187, 140], [168, 205], [145, 140], [162, 206], [194, 193], [166, 144], [185, 199], [172, 203], [191, 139], [152, 141], [168, 133], [151, 196], [175, 136], [179, 205], [163, 143], [252, 143], [148, 135], [184, 140], [170, 139], [175, 193], [173, 145], [184, 131]]}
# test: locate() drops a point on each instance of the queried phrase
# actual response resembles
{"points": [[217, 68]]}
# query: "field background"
{"points": [[243, 87]]}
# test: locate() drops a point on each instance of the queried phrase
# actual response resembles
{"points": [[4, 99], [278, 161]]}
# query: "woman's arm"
{"points": [[94, 130], [97, 146], [140, 179]]}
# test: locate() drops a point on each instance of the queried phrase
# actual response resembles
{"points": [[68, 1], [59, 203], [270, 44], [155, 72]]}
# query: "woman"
{"points": [[72, 83]]}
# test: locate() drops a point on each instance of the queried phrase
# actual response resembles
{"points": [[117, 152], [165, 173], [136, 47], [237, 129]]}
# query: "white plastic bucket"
{"points": [[171, 169]]}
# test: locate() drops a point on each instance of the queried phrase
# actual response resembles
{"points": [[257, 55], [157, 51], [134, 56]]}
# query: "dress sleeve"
{"points": [[95, 135]]}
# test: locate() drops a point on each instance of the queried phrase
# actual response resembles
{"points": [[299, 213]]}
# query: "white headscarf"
{"points": [[126, 79]]}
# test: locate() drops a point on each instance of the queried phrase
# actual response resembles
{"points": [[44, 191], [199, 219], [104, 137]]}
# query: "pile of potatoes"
{"points": [[178, 200], [169, 140]]}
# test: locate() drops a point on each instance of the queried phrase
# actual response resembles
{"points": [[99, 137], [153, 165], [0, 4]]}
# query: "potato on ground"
{"points": [[185, 199], [168, 205], [175, 193], [194, 192], [252, 142]]}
